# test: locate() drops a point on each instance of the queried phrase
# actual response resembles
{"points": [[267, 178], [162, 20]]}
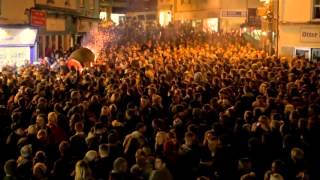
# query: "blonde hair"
{"points": [[82, 171], [53, 118], [39, 170]]}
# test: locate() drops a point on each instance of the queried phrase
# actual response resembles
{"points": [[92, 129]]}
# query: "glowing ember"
{"points": [[98, 38]]}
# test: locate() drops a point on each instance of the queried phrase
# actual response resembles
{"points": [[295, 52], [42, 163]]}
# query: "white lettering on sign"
{"points": [[310, 35]]}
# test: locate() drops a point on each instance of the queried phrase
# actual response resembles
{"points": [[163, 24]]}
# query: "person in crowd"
{"points": [[161, 171], [83, 171], [10, 170]]}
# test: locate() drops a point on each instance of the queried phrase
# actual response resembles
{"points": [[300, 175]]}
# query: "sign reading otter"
{"points": [[310, 35]]}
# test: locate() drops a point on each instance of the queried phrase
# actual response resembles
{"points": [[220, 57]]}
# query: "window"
{"points": [[50, 1], [67, 2], [316, 9], [0, 7], [81, 3], [91, 4]]}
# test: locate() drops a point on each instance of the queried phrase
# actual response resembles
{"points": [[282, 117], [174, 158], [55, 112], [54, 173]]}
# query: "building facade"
{"points": [[203, 13], [143, 11], [216, 15], [17, 14], [299, 33], [235, 13], [66, 22], [114, 10]]}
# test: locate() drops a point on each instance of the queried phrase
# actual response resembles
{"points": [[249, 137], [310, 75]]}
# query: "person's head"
{"points": [[99, 129], [105, 111], [53, 118], [120, 165], [39, 170], [249, 176], [277, 166], [213, 143], [244, 165], [144, 101], [32, 130], [91, 156], [82, 170], [40, 156], [42, 135], [40, 121], [26, 151], [276, 176], [64, 148], [79, 126], [160, 163], [161, 138], [189, 138], [172, 137], [297, 154], [10, 167], [103, 150], [141, 127]]}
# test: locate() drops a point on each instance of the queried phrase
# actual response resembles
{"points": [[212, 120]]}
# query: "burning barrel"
{"points": [[81, 58]]}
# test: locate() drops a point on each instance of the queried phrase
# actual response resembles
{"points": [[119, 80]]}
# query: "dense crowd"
{"points": [[163, 110]]}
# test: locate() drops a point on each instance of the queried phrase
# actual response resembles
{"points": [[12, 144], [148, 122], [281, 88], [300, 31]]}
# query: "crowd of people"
{"points": [[161, 110]]}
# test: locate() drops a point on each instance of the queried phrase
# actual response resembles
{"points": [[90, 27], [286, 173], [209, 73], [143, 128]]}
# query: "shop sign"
{"points": [[228, 13], [310, 35], [38, 18]]}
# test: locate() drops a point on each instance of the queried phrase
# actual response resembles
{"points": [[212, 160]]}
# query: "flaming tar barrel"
{"points": [[80, 58]]}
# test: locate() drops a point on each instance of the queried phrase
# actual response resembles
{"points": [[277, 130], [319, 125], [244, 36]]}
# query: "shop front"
{"points": [[301, 40], [18, 46]]}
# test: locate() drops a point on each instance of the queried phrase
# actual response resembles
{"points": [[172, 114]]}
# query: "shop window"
{"points": [[316, 55], [316, 9]]}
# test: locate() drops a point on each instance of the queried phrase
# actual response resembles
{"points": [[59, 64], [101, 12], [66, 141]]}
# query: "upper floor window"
{"points": [[0, 7], [50, 1], [185, 1], [91, 4], [316, 9], [81, 3], [67, 2]]}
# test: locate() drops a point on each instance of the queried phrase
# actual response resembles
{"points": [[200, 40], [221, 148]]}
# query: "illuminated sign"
{"points": [[228, 13], [17, 37], [310, 35], [14, 56]]}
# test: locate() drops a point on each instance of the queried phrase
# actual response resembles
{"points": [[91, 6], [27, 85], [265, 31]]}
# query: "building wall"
{"points": [[196, 5], [68, 4], [16, 14], [66, 22], [295, 10], [142, 5], [196, 9], [296, 30], [234, 13]]}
